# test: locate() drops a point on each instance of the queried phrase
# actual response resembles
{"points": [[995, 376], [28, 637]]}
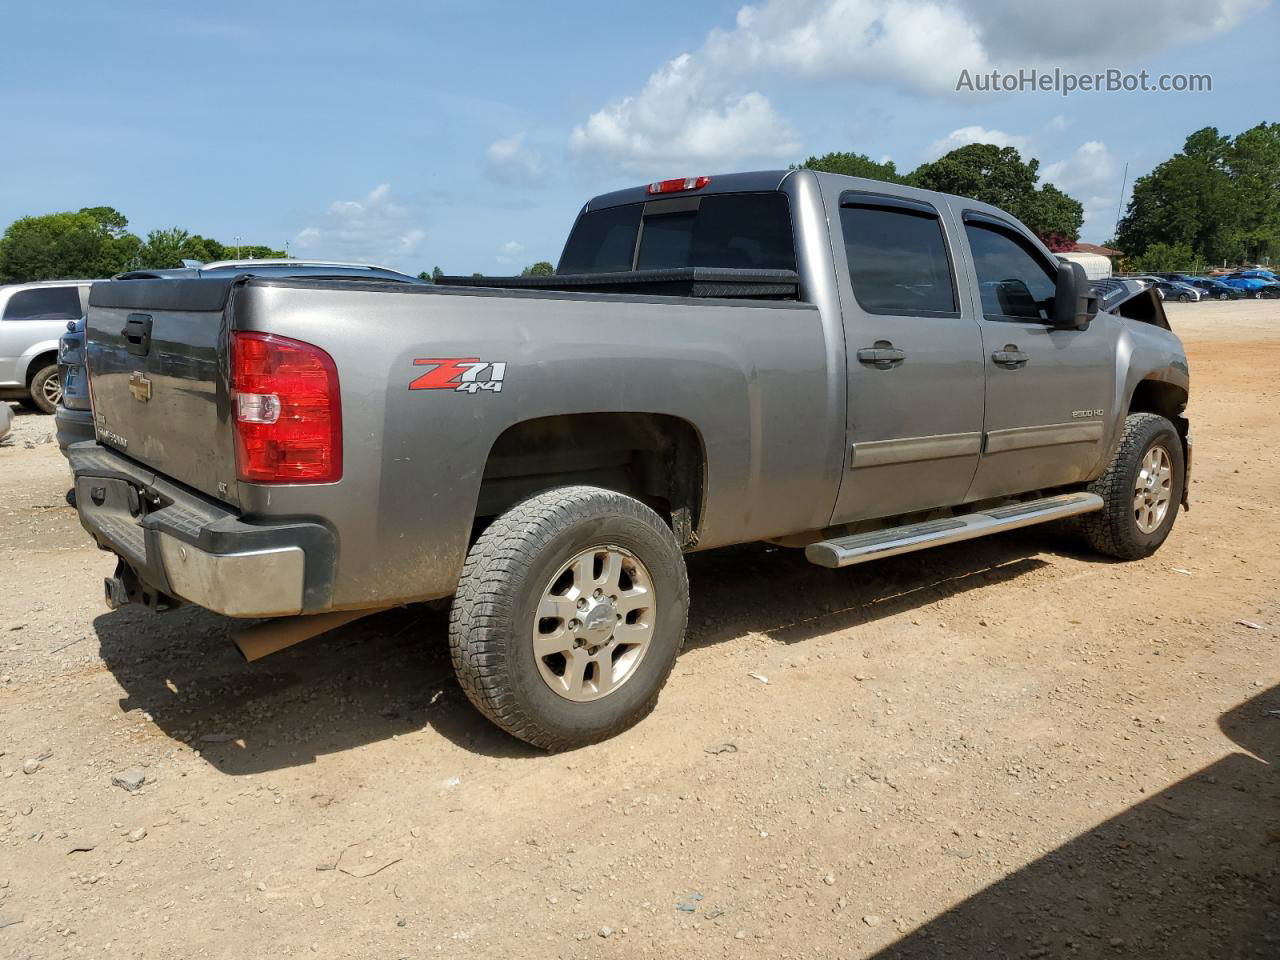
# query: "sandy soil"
{"points": [[1008, 748]]}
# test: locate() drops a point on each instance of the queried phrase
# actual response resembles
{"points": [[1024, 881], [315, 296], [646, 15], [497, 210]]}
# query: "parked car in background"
{"points": [[1173, 290], [1215, 289], [32, 317], [1255, 287], [75, 418]]}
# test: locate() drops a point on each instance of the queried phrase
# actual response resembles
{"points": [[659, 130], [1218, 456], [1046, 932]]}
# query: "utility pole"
{"points": [[237, 247]]}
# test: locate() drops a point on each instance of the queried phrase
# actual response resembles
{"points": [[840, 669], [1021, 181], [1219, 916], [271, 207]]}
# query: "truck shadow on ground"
{"points": [[389, 674], [1193, 871]]}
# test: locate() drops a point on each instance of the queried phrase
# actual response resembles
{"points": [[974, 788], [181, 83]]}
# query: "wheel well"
{"points": [[39, 362], [1157, 396], [657, 459]]}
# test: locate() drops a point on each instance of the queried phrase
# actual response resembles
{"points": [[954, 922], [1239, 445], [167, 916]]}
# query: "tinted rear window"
{"points": [[741, 230], [602, 241], [45, 303]]}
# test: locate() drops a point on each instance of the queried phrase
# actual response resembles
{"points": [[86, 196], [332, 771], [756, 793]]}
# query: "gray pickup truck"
{"points": [[855, 368]]}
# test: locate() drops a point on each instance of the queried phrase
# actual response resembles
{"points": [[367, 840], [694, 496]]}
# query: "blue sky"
{"points": [[468, 134]]}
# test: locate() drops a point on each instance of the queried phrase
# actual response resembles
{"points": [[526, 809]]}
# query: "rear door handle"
{"points": [[1010, 356], [885, 355]]}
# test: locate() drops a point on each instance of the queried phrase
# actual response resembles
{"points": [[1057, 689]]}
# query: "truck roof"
{"points": [[718, 183]]}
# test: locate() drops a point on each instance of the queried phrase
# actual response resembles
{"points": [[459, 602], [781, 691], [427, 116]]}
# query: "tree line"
{"points": [[96, 242], [1216, 201], [985, 172]]}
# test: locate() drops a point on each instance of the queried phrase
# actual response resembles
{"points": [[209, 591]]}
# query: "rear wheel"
{"points": [[569, 615], [1224, 296], [1141, 490], [46, 389], [1184, 298]]}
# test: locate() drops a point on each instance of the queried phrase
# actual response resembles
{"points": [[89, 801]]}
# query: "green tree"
{"points": [[1253, 162], [168, 248], [1219, 195], [92, 242], [540, 269], [164, 248], [1166, 257], [436, 274], [1186, 201], [999, 176], [855, 165]]}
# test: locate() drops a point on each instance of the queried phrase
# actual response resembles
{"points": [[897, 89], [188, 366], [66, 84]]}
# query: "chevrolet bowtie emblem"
{"points": [[140, 387]]}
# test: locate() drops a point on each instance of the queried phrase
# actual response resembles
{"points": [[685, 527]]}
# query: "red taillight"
{"points": [[287, 410], [679, 185]]}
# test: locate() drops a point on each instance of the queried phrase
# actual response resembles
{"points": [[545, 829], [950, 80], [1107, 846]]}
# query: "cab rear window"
{"points": [[738, 230]]}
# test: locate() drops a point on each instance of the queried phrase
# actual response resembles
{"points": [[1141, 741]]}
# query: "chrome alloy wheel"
{"points": [[594, 623], [52, 389], [1153, 489]]}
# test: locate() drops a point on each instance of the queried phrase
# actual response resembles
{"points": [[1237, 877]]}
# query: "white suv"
{"points": [[32, 318]]}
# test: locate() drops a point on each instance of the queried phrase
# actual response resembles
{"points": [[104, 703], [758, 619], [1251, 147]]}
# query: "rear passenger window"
{"points": [[898, 261], [1014, 281], [45, 303]]}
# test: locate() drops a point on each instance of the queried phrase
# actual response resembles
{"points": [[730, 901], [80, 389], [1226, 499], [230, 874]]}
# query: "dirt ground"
{"points": [[1007, 748]]}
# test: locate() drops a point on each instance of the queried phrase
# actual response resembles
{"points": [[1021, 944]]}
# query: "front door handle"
{"points": [[883, 355], [1010, 356]]}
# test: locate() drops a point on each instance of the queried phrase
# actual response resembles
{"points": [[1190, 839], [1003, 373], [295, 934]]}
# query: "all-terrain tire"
{"points": [[507, 571], [46, 389], [1114, 529]]}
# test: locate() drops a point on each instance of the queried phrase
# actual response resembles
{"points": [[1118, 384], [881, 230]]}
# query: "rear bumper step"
{"points": [[861, 547]]}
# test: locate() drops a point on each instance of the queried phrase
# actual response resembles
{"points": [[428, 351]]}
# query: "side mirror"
{"points": [[1074, 302]]}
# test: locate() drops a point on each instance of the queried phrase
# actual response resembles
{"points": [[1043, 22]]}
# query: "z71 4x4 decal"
{"points": [[460, 374]]}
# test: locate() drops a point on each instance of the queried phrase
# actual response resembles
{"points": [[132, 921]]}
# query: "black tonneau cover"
{"points": [[672, 282]]}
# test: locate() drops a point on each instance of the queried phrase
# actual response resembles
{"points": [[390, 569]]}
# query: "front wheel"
{"points": [[569, 614], [1141, 490], [1184, 298], [1224, 296]]}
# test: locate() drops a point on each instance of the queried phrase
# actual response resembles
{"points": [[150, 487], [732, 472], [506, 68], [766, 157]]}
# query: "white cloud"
{"points": [[706, 107], [975, 134], [509, 252], [1100, 32], [683, 117], [512, 161], [1090, 167], [374, 229], [1092, 176]]}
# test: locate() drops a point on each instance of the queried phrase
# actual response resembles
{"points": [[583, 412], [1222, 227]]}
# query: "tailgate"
{"points": [[155, 353]]}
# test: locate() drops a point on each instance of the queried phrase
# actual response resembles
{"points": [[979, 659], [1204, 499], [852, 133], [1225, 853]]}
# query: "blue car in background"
{"points": [[73, 417], [1256, 287]]}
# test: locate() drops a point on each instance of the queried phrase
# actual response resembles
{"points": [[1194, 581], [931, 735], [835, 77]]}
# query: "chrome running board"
{"points": [[861, 547]]}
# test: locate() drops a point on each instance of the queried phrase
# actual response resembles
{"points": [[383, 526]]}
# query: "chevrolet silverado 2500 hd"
{"points": [[857, 368]]}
